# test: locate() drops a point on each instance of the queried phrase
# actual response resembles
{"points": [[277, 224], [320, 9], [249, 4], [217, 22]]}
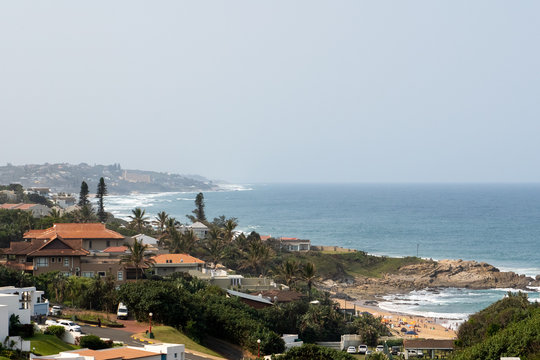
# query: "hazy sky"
{"points": [[288, 91]]}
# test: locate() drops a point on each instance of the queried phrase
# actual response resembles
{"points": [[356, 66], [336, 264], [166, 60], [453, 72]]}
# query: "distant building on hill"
{"points": [[37, 210]]}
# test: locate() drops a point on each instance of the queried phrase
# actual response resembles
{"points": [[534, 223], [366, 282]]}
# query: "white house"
{"points": [[21, 302], [199, 229]]}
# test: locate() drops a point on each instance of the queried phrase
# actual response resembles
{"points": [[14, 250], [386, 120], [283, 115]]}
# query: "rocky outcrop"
{"points": [[434, 274]]}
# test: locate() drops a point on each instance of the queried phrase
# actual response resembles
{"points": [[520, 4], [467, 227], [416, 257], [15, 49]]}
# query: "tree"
{"points": [[289, 271], [215, 245], [309, 274], [161, 221], [137, 257], [83, 195], [228, 229], [100, 194], [199, 208], [138, 220], [314, 352]]}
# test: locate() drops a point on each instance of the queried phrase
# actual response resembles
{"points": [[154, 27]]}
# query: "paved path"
{"points": [[124, 335]]}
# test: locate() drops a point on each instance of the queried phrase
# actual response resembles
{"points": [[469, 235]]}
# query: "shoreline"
{"points": [[425, 327]]}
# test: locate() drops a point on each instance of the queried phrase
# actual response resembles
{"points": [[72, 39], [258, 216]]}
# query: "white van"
{"points": [[122, 312]]}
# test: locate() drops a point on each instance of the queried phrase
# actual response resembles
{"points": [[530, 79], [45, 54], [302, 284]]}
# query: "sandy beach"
{"points": [[426, 328]]}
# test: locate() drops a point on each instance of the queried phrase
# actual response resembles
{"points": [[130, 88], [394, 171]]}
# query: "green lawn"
{"points": [[4, 358], [171, 335], [48, 344]]}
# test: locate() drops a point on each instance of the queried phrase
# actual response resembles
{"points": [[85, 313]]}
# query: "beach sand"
{"points": [[427, 328]]}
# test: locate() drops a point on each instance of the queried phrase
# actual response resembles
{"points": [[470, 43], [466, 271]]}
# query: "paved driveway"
{"points": [[124, 335]]}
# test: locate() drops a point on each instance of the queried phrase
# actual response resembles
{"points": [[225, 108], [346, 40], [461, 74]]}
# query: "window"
{"points": [[120, 276], [42, 261], [88, 274], [101, 273], [90, 244], [52, 259], [175, 355], [108, 243], [59, 260], [66, 261]]}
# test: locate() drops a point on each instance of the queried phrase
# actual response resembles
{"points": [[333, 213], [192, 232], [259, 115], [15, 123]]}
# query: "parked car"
{"points": [[362, 349], [50, 322], [122, 312], [415, 353], [395, 350], [351, 350], [56, 310], [379, 348], [70, 325]]}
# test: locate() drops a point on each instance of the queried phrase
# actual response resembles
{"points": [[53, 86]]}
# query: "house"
{"points": [[94, 236], [37, 210], [8, 195], [225, 280], [429, 347], [64, 201], [294, 244], [166, 264], [71, 249], [161, 351], [21, 302], [199, 229]]}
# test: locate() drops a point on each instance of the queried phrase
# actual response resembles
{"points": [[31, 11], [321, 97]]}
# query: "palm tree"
{"points": [[215, 245], [137, 257], [309, 274], [190, 239], [161, 221], [138, 220], [55, 214], [289, 271], [228, 230], [257, 256]]}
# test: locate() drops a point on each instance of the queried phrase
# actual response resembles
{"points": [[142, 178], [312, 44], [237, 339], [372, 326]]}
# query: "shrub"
{"points": [[94, 342], [56, 330], [313, 352]]}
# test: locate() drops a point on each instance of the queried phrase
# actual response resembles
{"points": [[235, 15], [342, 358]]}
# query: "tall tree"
{"points": [[100, 194], [309, 274], [161, 221], [138, 219], [83, 195], [137, 257], [199, 208]]}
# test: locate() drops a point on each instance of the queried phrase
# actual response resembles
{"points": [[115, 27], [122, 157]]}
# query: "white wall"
{"points": [[4, 322], [173, 351]]}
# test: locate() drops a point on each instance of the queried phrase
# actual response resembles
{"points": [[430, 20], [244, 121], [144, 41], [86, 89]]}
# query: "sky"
{"points": [[275, 91]]}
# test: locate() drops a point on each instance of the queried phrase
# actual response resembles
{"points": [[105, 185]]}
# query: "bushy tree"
{"points": [[83, 195], [100, 194], [313, 352], [93, 342]]}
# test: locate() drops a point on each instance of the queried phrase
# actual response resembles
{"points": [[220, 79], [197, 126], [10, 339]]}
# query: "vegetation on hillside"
{"points": [[510, 327]]}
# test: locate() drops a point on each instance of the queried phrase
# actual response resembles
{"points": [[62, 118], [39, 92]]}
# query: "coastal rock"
{"points": [[436, 274]]}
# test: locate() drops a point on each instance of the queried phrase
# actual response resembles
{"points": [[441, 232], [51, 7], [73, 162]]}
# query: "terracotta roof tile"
{"points": [[176, 259], [75, 231], [119, 249], [115, 353]]}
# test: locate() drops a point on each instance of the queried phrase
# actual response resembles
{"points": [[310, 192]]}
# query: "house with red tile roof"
{"points": [[94, 236], [166, 264]]}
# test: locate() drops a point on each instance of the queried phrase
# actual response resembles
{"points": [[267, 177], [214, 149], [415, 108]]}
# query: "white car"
{"points": [[351, 350], [70, 325], [379, 348], [50, 322], [362, 349], [56, 310]]}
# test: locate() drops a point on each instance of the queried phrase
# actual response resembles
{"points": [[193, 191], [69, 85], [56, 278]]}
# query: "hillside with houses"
{"points": [[67, 178]]}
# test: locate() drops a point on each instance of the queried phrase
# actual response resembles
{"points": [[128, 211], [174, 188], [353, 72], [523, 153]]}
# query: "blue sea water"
{"points": [[495, 223]]}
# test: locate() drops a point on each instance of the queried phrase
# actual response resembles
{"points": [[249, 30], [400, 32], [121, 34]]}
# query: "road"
{"points": [[125, 337]]}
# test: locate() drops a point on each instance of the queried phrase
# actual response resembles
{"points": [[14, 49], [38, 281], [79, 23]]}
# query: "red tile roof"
{"points": [[51, 247], [74, 231], [115, 353], [176, 259], [119, 249]]}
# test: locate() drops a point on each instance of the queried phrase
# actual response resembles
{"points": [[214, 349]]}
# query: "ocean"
{"points": [[495, 223]]}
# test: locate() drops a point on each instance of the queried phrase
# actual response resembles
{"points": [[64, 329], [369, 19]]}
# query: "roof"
{"points": [[428, 344], [117, 249], [257, 298], [115, 353], [19, 206], [148, 240], [74, 231], [176, 259], [52, 247], [198, 225]]}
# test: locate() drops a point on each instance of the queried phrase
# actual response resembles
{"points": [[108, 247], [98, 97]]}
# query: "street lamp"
{"points": [[258, 348], [150, 332]]}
